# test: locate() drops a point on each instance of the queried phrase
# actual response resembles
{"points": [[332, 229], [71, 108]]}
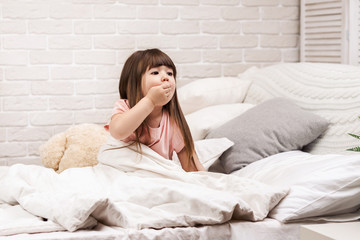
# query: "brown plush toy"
{"points": [[78, 146]]}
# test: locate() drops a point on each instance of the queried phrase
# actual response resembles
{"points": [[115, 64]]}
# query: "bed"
{"points": [[273, 139]]}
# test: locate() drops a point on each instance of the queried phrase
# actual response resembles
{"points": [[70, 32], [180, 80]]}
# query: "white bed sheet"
{"points": [[233, 230], [120, 193]]}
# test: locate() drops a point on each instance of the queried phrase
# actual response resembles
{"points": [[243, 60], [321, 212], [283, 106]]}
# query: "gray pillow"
{"points": [[274, 126]]}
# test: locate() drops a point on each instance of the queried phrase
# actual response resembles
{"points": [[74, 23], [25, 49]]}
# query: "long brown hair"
{"points": [[130, 89]]}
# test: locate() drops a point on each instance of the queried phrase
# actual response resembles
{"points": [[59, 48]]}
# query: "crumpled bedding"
{"points": [[130, 190]]}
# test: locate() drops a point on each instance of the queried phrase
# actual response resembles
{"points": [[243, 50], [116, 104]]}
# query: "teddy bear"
{"points": [[78, 146]]}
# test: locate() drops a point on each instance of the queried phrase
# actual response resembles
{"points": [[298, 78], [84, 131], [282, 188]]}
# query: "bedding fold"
{"points": [[133, 190]]}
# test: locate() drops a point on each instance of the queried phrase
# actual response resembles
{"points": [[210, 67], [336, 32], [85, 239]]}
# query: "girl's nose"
{"points": [[164, 78]]}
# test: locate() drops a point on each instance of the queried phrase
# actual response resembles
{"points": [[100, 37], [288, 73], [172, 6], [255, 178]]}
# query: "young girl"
{"points": [[148, 111]]}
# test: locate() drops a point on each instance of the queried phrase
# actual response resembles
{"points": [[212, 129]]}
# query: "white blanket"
{"points": [[130, 190]]}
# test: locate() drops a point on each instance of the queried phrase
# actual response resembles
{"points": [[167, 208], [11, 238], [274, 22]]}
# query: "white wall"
{"points": [[60, 60]]}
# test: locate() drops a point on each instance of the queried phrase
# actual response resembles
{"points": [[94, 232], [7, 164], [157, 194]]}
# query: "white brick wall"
{"points": [[60, 60]]}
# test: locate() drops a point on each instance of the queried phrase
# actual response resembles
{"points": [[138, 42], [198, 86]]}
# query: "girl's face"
{"points": [[157, 76]]}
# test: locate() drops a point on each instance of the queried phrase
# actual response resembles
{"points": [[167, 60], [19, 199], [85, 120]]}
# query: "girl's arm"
{"points": [[189, 167], [124, 124]]}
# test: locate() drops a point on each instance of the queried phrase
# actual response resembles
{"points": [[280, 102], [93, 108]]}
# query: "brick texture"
{"points": [[60, 62]]}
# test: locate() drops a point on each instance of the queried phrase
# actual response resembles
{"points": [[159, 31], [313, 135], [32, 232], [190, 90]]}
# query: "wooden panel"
{"points": [[358, 31], [322, 33]]}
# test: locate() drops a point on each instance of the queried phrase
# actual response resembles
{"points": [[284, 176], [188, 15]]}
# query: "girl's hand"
{"points": [[161, 95]]}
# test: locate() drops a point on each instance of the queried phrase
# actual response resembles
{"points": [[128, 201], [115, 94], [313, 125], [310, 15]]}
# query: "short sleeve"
{"points": [[120, 106], [177, 140]]}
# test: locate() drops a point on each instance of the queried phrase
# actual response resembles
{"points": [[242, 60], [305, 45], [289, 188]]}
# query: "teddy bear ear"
{"points": [[53, 150]]}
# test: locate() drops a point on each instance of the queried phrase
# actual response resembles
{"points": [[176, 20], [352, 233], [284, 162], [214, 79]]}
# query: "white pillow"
{"points": [[320, 185], [211, 91], [207, 119], [209, 150]]}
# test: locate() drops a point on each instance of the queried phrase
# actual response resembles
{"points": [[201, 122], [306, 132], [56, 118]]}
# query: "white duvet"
{"points": [[128, 190]]}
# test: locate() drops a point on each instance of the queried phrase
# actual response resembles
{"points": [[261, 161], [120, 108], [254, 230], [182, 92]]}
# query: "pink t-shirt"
{"points": [[164, 140]]}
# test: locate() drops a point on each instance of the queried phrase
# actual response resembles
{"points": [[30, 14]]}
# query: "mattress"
{"points": [[105, 232], [267, 229]]}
